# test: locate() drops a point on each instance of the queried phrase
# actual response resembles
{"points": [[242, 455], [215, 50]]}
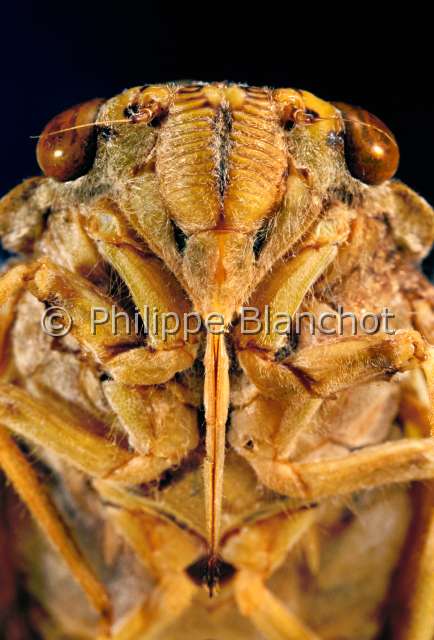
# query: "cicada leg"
{"points": [[12, 285], [315, 373], [50, 423], [256, 552], [413, 610], [402, 461], [166, 551], [114, 346], [26, 483], [267, 613], [414, 619]]}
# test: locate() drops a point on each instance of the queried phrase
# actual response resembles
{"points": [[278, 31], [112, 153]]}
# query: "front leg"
{"points": [[115, 347], [293, 389], [314, 374], [12, 286]]}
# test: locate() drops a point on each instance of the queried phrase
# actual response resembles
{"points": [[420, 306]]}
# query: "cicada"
{"points": [[240, 480]]}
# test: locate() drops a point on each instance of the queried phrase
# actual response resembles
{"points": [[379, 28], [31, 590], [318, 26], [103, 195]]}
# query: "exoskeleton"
{"points": [[288, 474]]}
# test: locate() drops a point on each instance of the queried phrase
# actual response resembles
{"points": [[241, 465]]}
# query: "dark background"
{"points": [[53, 55]]}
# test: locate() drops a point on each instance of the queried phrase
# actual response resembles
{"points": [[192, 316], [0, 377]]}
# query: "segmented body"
{"points": [[205, 198]]}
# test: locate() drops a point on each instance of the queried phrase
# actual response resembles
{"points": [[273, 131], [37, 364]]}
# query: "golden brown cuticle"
{"points": [[289, 474]]}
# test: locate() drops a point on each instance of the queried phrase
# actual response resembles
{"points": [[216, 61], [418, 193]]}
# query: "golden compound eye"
{"points": [[66, 148], [371, 151]]}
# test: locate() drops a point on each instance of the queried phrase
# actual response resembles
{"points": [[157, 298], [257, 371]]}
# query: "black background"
{"points": [[53, 55]]}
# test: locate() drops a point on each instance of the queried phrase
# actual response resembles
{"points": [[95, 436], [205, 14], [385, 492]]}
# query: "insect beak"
{"points": [[218, 265]]}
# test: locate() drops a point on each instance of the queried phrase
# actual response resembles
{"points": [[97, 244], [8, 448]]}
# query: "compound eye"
{"points": [[66, 148], [371, 151]]}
